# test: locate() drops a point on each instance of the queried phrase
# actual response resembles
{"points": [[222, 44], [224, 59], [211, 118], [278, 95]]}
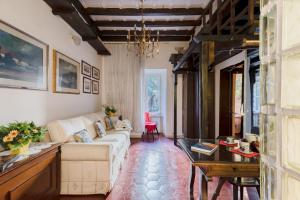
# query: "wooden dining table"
{"points": [[222, 163]]}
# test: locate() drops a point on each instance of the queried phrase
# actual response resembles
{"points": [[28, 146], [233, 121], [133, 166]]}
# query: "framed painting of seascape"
{"points": [[66, 74], [23, 60]]}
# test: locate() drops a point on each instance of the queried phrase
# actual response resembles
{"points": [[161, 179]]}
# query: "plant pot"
{"points": [[24, 149]]}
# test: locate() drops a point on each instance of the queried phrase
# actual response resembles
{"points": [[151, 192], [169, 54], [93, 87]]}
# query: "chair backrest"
{"points": [[147, 117]]}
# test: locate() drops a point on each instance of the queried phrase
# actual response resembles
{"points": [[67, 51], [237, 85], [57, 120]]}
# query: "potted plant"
{"points": [[17, 136], [109, 110]]}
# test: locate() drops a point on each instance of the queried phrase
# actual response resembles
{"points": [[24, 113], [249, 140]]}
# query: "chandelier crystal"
{"points": [[144, 44]]}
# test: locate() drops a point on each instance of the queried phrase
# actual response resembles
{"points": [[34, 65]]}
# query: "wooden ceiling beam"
{"points": [[147, 11], [72, 12], [148, 23], [161, 38], [153, 32]]}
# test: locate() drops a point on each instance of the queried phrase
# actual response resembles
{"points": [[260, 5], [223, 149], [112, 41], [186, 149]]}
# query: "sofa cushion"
{"points": [[116, 145], [100, 129], [118, 132], [119, 139], [114, 120], [100, 116], [63, 130], [89, 121], [109, 123], [111, 137], [83, 136], [123, 125]]}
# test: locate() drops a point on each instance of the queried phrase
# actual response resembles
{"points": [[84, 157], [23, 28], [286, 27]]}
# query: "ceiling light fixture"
{"points": [[144, 44]]}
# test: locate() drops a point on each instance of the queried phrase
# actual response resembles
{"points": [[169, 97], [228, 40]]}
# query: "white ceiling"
{"points": [[147, 3]]}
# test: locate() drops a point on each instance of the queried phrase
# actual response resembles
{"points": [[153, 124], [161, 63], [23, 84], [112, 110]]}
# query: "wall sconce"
{"points": [[76, 40]]}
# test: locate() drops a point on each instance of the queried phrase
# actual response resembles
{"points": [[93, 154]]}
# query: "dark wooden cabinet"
{"points": [[36, 178]]}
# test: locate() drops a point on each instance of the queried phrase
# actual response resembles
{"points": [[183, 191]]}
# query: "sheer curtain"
{"points": [[123, 83]]}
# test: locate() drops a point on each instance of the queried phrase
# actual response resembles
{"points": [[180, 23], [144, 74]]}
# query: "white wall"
{"points": [[35, 18], [161, 61], [241, 57]]}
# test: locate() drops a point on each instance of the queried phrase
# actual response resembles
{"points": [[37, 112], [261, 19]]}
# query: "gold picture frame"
{"points": [[66, 74]]}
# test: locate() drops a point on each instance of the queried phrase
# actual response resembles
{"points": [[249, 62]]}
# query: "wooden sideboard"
{"points": [[36, 178]]}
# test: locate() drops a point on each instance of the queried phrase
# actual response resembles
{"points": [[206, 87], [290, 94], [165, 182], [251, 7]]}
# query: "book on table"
{"points": [[204, 147]]}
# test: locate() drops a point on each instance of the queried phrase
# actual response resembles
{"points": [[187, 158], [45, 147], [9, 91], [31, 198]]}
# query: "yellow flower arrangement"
{"points": [[17, 136], [13, 133], [8, 138]]}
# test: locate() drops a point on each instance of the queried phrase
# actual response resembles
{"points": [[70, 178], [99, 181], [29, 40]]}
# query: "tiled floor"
{"points": [[158, 170]]}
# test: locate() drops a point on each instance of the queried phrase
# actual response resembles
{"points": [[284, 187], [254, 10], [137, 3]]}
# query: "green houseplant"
{"points": [[109, 110], [17, 136]]}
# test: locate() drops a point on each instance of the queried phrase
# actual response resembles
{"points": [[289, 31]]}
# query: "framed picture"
{"points": [[95, 87], [87, 85], [96, 73], [86, 69], [23, 60], [66, 74]]}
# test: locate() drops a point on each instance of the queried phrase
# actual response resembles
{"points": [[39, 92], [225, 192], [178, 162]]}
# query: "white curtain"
{"points": [[123, 83]]}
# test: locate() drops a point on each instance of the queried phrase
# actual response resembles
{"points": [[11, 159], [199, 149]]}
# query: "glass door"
{"points": [[280, 99]]}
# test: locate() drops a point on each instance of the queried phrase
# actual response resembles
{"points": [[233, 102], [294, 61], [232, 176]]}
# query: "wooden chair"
{"points": [[150, 126]]}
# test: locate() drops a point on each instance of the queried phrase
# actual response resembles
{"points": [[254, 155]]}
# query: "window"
{"points": [[153, 92]]}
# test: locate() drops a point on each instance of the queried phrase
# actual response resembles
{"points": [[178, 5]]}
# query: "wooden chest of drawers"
{"points": [[36, 178]]}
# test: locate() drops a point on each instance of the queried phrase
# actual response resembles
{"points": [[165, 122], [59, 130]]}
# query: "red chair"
{"points": [[150, 126]]}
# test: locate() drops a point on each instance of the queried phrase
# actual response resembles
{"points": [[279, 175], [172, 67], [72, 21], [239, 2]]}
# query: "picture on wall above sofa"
{"points": [[66, 74], [96, 73], [23, 59], [86, 69], [87, 85], [95, 87]]}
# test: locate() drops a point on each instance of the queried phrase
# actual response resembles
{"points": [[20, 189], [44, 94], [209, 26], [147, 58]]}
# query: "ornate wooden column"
{"points": [[174, 59], [206, 117]]}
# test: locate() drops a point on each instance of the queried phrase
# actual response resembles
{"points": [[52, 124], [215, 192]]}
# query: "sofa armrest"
{"points": [[86, 151]]}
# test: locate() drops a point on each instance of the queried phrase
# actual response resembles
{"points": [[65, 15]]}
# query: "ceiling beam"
{"points": [[161, 38], [147, 11], [72, 12], [153, 32], [148, 23]]}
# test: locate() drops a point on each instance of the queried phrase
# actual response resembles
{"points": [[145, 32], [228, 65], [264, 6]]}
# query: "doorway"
{"points": [[155, 96], [231, 101]]}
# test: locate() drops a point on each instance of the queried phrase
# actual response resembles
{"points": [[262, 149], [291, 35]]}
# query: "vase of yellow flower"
{"points": [[109, 110], [17, 136]]}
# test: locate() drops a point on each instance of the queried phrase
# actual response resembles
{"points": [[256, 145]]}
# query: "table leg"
{"points": [[203, 189], [241, 193], [235, 192], [192, 180], [221, 182]]}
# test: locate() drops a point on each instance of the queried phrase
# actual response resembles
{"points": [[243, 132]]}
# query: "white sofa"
{"points": [[89, 168]]}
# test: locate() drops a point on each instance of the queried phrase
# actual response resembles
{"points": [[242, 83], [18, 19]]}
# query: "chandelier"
{"points": [[144, 44]]}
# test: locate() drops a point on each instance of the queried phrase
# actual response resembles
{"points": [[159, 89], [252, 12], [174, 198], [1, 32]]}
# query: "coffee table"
{"points": [[222, 163]]}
